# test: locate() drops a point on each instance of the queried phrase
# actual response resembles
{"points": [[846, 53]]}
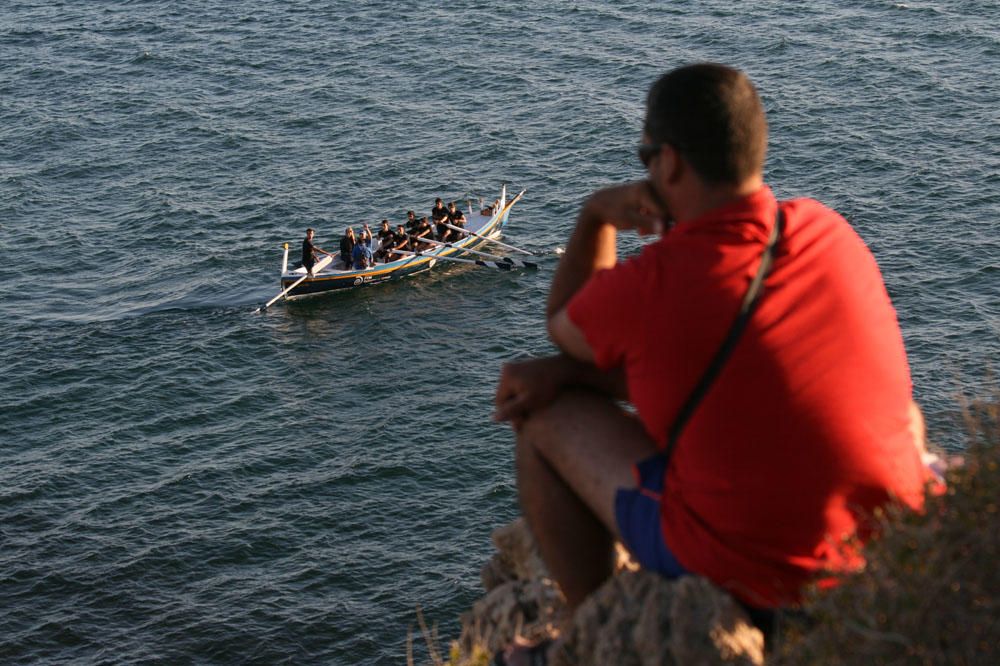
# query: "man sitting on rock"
{"points": [[752, 471]]}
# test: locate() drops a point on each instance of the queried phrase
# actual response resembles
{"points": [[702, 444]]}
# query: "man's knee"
{"points": [[531, 434], [551, 426]]}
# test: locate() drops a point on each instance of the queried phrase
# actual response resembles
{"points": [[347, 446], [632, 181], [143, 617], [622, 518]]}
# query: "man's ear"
{"points": [[671, 165]]}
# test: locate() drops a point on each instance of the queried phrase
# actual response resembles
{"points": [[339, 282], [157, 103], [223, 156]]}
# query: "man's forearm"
{"points": [[570, 372], [609, 382], [591, 248]]}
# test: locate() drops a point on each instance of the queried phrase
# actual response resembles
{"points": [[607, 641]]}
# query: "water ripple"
{"points": [[185, 481]]}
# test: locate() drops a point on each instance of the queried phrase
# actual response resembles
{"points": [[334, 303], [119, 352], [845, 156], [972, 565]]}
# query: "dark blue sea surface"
{"points": [[185, 481]]}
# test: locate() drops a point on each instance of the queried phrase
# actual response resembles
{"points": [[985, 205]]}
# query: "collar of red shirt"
{"points": [[760, 204]]}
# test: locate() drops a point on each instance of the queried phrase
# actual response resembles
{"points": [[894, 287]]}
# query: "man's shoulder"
{"points": [[810, 222], [809, 207]]}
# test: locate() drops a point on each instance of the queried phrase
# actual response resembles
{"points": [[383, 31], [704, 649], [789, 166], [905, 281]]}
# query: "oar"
{"points": [[487, 238], [491, 257], [503, 266], [320, 265]]}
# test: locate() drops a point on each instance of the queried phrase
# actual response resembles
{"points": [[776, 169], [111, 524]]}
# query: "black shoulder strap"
{"points": [[750, 300]]}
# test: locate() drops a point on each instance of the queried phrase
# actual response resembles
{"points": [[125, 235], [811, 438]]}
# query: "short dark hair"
{"points": [[712, 116]]}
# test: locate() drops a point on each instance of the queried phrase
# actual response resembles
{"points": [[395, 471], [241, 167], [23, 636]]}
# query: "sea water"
{"points": [[185, 481]]}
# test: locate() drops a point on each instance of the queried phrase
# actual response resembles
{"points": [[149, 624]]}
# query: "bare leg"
{"points": [[572, 457], [576, 546]]}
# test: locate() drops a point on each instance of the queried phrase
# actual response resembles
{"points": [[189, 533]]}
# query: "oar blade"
{"points": [[499, 265], [530, 265]]}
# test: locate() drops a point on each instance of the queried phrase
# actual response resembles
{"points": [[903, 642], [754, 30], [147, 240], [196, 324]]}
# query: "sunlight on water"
{"points": [[184, 480]]}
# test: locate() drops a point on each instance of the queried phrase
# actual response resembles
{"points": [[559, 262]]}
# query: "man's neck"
{"points": [[700, 197]]}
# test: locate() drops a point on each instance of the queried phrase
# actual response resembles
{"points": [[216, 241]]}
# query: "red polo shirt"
{"points": [[804, 432]]}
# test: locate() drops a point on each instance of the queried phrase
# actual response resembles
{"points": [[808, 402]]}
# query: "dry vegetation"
{"points": [[930, 593]]}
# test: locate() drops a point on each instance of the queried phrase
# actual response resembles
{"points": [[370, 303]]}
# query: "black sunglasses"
{"points": [[647, 151]]}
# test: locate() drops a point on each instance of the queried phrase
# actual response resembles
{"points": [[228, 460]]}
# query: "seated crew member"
{"points": [[309, 251], [362, 256], [411, 221], [385, 238], [347, 247], [424, 230], [439, 215], [400, 241], [385, 231], [441, 230], [456, 218]]}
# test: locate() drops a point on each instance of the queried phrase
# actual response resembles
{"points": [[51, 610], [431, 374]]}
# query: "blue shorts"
{"points": [[637, 512]]}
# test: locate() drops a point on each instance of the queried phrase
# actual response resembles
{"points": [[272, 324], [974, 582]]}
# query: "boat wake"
{"points": [[201, 302]]}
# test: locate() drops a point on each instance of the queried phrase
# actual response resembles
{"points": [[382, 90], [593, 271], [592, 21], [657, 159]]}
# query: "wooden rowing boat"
{"points": [[333, 278]]}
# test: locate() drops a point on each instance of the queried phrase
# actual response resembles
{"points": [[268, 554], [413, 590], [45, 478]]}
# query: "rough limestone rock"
{"points": [[516, 558], [521, 599], [640, 619], [705, 621], [637, 618]]}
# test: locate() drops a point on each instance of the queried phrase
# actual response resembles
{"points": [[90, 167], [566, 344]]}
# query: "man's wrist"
{"points": [[569, 370], [591, 216]]}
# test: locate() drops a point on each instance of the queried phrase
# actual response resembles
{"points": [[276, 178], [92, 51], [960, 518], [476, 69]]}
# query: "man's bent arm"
{"points": [[568, 337], [590, 248], [526, 386], [609, 382]]}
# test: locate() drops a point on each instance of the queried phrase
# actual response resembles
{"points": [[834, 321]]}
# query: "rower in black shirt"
{"points": [[309, 251], [424, 230], [385, 232], [385, 237], [411, 221], [456, 218], [439, 215], [441, 230], [400, 241]]}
